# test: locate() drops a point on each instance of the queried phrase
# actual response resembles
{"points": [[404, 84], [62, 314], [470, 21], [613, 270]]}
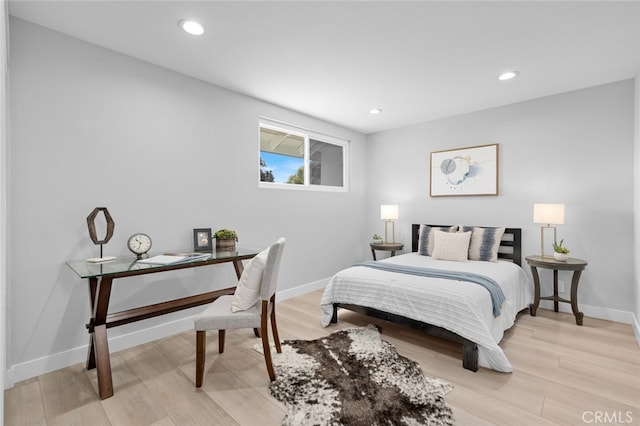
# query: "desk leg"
{"points": [[393, 253], [536, 292], [239, 267], [98, 356], [574, 297], [91, 359], [373, 253], [103, 362]]}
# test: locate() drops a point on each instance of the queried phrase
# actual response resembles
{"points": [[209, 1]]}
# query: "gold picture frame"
{"points": [[466, 171]]}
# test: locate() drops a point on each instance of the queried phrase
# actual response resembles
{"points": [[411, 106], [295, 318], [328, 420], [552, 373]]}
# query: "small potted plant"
{"points": [[377, 239], [560, 252], [226, 239]]}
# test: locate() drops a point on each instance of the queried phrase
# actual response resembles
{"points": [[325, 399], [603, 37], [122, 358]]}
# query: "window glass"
{"points": [[281, 156], [326, 162], [295, 158]]}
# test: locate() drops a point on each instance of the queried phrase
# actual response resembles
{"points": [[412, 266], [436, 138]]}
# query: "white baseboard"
{"points": [[302, 289], [46, 364], [594, 312], [636, 328]]}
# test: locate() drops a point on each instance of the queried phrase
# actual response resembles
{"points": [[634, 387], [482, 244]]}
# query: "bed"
{"points": [[451, 307]]}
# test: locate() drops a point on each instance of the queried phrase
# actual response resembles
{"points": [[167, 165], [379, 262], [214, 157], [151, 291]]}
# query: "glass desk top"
{"points": [[129, 265]]}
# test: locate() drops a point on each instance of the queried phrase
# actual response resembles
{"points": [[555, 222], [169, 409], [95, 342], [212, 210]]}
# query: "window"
{"points": [[294, 158]]}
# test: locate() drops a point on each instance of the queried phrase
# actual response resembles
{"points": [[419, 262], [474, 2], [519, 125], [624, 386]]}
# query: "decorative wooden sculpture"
{"points": [[91, 223]]}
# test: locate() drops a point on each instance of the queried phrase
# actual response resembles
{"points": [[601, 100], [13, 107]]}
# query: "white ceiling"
{"points": [[415, 60]]}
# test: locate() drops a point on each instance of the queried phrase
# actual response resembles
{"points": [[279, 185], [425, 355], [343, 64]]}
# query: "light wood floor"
{"points": [[563, 374]]}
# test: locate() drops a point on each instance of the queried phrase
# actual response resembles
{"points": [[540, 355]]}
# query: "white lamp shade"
{"points": [[389, 211], [548, 213]]}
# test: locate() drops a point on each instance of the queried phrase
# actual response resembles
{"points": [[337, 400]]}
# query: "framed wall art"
{"points": [[202, 239], [464, 171]]}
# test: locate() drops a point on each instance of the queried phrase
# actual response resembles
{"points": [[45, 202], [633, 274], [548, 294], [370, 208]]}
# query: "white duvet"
{"points": [[459, 306]]}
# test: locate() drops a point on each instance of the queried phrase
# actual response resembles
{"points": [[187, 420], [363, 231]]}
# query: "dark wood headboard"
{"points": [[510, 246]]}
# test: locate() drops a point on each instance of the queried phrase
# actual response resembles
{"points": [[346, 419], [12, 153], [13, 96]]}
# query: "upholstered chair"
{"points": [[252, 306]]}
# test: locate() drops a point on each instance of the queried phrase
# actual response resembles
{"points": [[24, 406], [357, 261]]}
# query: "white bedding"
{"points": [[461, 307]]}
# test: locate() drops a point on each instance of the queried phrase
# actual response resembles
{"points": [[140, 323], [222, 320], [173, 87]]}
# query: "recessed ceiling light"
{"points": [[508, 75], [191, 27], [374, 111]]}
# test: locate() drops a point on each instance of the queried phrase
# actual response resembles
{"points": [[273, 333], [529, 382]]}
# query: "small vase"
{"points": [[225, 245], [377, 241], [560, 257]]}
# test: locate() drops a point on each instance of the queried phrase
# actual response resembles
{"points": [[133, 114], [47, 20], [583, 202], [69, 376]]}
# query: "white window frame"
{"points": [[307, 135]]}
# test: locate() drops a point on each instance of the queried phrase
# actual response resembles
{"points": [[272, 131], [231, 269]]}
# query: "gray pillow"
{"points": [[426, 237], [485, 243]]}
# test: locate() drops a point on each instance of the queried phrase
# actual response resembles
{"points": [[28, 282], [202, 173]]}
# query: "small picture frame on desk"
{"points": [[202, 239]]}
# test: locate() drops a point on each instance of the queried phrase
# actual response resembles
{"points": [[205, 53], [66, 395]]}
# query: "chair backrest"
{"points": [[271, 270]]}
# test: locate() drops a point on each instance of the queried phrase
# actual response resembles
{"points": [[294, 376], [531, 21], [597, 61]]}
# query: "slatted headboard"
{"points": [[510, 246]]}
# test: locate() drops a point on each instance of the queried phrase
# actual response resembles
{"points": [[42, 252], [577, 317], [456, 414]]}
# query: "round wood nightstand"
{"points": [[392, 247], [571, 264]]}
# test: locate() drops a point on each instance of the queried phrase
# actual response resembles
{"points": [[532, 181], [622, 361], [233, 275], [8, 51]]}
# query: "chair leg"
{"points": [[274, 328], [221, 334], [201, 340], [266, 349]]}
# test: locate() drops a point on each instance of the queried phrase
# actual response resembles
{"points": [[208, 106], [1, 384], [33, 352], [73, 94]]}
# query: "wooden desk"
{"points": [[100, 278], [571, 264]]}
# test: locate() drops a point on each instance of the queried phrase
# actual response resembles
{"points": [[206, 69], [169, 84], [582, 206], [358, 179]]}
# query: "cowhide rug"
{"points": [[352, 377]]}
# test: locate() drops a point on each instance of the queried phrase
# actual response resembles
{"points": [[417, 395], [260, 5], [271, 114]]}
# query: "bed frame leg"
{"points": [[334, 317], [470, 356]]}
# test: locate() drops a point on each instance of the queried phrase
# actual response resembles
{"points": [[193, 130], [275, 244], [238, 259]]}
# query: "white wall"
{"points": [[165, 153], [575, 148], [3, 192], [636, 204]]}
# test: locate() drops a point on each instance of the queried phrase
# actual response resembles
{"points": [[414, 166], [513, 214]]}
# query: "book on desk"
{"points": [[172, 258]]}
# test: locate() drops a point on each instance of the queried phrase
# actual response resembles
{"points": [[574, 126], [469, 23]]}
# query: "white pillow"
{"points": [[451, 246], [248, 291]]}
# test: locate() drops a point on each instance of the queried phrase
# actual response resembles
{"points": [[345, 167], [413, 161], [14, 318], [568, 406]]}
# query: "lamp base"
{"points": [[542, 228], [393, 231]]}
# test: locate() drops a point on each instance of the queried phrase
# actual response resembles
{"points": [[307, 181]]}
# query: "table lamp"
{"points": [[389, 213], [547, 215]]}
